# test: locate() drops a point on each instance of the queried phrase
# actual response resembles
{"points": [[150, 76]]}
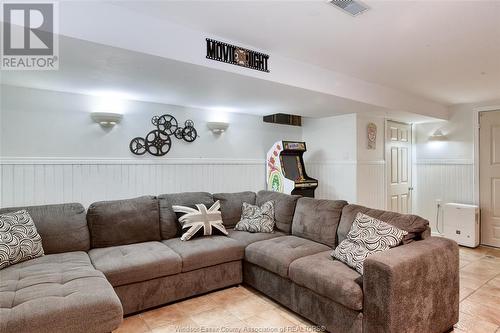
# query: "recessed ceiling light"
{"points": [[351, 7]]}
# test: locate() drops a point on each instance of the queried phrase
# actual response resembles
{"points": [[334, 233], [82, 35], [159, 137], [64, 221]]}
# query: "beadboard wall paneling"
{"points": [[38, 181], [371, 184], [45, 181], [447, 180]]}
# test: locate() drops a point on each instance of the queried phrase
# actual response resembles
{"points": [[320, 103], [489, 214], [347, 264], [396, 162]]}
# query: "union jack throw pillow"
{"points": [[200, 221]]}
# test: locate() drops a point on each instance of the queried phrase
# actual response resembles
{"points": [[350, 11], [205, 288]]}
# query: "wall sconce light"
{"points": [[106, 119], [217, 127], [438, 136]]}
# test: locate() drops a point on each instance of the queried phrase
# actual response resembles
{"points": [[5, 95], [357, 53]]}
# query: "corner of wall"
{"points": [[444, 170], [370, 163]]}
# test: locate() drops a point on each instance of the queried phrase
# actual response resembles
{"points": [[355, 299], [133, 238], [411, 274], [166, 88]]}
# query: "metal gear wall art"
{"points": [[158, 141]]}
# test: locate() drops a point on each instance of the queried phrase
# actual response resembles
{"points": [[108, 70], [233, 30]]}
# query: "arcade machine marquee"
{"points": [[286, 171]]}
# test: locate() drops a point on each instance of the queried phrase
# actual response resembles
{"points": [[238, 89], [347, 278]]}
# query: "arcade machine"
{"points": [[286, 171]]}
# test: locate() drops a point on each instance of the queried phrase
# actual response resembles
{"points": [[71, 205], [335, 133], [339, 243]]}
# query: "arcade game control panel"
{"points": [[286, 171]]}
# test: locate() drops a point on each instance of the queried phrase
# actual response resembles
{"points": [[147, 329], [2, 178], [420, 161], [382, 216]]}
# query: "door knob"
{"points": [[410, 188]]}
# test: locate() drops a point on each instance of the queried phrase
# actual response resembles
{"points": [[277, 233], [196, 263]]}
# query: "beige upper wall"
{"points": [[49, 124], [459, 130], [331, 138], [39, 123]]}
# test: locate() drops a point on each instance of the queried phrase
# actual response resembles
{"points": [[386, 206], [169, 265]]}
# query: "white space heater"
{"points": [[461, 223]]}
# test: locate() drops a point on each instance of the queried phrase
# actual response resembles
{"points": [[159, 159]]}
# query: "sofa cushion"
{"points": [[206, 251], [138, 262], [231, 204], [317, 220], [257, 219], [247, 238], [330, 278], [122, 222], [200, 221], [57, 293], [19, 239], [169, 227], [414, 225], [276, 254], [284, 208], [367, 237], [63, 228]]}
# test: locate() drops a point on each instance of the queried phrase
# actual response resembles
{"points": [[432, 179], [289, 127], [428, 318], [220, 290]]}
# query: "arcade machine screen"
{"points": [[292, 166]]}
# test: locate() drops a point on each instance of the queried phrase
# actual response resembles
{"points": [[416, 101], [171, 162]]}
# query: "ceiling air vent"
{"points": [[351, 7]]}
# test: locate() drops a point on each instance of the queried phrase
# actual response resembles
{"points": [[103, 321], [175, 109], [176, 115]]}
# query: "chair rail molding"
{"points": [[65, 160]]}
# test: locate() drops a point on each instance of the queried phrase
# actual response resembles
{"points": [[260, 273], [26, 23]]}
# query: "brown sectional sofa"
{"points": [[125, 256]]}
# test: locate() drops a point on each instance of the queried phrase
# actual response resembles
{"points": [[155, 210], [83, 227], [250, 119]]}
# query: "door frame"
{"points": [[411, 166], [476, 121]]}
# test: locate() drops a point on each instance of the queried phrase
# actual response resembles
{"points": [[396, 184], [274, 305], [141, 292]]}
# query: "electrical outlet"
{"points": [[439, 202]]}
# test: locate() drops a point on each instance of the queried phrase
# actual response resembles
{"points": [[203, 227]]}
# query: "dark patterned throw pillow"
{"points": [[257, 219], [200, 221], [367, 236], [19, 239]]}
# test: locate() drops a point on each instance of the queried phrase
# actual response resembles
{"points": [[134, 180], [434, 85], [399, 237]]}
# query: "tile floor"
{"points": [[242, 309]]}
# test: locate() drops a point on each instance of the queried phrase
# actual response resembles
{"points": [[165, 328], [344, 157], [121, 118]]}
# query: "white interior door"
{"points": [[489, 177], [398, 161]]}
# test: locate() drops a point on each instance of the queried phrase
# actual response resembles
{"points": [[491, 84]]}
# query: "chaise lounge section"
{"points": [[125, 256], [61, 291]]}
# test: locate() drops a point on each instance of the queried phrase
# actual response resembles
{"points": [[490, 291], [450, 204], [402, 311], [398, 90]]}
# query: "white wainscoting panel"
{"points": [[337, 179], [371, 184], [39, 181], [42, 181], [446, 180]]}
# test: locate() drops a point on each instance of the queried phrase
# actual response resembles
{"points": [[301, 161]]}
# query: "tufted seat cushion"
{"points": [[276, 254], [206, 251], [330, 278], [248, 238], [54, 293], [135, 262]]}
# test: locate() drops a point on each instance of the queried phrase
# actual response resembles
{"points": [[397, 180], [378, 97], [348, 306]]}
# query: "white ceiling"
{"points": [[446, 51], [95, 69]]}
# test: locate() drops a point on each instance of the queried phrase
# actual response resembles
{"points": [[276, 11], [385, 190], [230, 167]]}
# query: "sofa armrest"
{"points": [[412, 288]]}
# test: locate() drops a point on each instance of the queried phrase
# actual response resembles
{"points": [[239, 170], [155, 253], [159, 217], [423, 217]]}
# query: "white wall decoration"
{"points": [[371, 134]]}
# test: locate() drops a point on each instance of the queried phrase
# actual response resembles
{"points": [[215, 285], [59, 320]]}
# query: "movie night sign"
{"points": [[236, 55]]}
